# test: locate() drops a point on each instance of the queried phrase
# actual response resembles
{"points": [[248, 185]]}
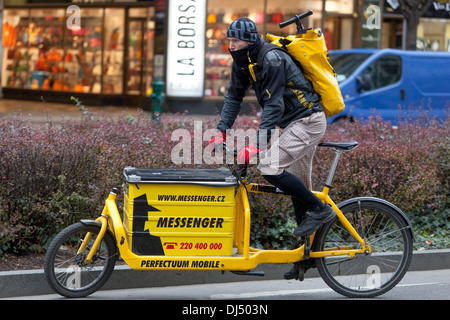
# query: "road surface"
{"points": [[418, 285]]}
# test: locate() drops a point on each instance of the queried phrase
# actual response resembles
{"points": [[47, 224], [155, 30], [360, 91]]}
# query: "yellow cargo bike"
{"points": [[200, 219]]}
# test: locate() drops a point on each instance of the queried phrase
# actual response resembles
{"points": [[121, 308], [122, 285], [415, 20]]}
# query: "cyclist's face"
{"points": [[237, 44]]}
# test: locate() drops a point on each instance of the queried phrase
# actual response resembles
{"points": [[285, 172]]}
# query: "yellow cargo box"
{"points": [[179, 211]]}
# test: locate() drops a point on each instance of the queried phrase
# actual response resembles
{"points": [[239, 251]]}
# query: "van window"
{"points": [[383, 72], [346, 63]]}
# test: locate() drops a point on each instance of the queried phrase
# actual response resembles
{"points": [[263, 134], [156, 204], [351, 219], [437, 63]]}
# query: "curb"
{"points": [[32, 282]]}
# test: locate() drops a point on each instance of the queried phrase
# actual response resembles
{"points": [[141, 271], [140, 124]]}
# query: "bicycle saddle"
{"points": [[344, 146]]}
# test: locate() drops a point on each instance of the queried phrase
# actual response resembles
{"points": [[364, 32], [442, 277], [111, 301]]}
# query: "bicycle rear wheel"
{"points": [[66, 270], [368, 274]]}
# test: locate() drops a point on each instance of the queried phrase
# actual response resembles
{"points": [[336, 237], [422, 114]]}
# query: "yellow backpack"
{"points": [[310, 50]]}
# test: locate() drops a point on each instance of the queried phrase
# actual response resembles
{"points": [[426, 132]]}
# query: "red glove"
{"points": [[246, 154], [219, 138]]}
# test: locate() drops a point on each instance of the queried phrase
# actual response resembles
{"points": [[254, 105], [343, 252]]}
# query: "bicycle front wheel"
{"points": [[65, 268], [368, 274]]}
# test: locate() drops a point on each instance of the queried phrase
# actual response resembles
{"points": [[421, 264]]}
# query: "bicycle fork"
{"points": [[103, 219]]}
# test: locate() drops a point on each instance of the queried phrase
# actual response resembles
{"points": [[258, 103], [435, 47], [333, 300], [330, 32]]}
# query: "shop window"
{"points": [[15, 67], [385, 71], [281, 10], [218, 59], [83, 58], [41, 52], [433, 34], [339, 6], [267, 14], [139, 68], [113, 51], [33, 48]]}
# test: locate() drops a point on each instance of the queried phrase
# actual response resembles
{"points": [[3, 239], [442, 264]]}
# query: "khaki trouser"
{"points": [[294, 150]]}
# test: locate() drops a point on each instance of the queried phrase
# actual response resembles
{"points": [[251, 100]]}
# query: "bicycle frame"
{"points": [[246, 257], [324, 197]]}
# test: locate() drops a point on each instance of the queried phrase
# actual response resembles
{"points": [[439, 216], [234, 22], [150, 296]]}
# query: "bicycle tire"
{"points": [[65, 270], [369, 274]]}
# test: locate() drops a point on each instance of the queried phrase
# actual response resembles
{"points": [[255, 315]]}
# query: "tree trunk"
{"points": [[411, 33], [412, 11]]}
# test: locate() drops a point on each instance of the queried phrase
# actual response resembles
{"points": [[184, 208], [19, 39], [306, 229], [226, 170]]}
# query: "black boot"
{"points": [[299, 269], [313, 220], [293, 272]]}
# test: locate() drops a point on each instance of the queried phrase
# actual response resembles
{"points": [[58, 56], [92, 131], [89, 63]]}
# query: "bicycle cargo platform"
{"points": [[179, 211]]}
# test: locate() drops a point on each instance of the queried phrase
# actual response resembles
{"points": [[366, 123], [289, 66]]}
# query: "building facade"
{"points": [[108, 53]]}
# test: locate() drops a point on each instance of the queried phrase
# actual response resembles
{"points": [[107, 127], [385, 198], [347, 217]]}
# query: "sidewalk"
{"points": [[32, 282], [40, 111]]}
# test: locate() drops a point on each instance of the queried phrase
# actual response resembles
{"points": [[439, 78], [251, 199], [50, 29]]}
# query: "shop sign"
{"points": [[160, 10], [439, 9], [186, 48]]}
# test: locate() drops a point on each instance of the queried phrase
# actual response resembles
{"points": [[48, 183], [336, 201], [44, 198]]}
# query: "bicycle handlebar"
{"points": [[241, 171], [296, 19], [223, 147]]}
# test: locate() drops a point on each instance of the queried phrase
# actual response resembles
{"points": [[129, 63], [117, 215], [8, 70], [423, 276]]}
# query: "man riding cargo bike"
{"points": [[199, 219], [288, 101]]}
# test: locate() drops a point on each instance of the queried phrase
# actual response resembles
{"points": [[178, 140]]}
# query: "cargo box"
{"points": [[179, 211]]}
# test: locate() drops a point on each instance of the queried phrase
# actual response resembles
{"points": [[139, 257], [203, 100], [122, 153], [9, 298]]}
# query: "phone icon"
{"points": [[170, 245]]}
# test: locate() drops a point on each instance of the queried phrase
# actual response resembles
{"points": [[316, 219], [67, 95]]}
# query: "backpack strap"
{"points": [[269, 47], [265, 49], [255, 68]]}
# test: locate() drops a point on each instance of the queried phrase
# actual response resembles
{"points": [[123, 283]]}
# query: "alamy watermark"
{"points": [[374, 279], [73, 274], [189, 148], [373, 14], [74, 20]]}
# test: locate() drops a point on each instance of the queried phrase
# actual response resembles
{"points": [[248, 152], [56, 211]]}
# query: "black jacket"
{"points": [[282, 91]]}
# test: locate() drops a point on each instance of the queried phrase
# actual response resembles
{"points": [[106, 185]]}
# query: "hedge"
{"points": [[52, 175]]}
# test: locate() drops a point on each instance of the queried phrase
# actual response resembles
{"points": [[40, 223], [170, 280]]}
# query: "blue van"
{"points": [[383, 81]]}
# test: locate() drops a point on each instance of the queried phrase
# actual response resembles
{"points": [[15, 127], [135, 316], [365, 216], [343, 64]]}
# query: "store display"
{"points": [[15, 56], [139, 61], [9, 35], [41, 53], [218, 59]]}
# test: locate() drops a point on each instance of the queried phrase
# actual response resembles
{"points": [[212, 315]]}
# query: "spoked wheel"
{"points": [[65, 268], [368, 274]]}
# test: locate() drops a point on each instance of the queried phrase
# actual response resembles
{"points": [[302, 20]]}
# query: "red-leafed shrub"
{"points": [[55, 174]]}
